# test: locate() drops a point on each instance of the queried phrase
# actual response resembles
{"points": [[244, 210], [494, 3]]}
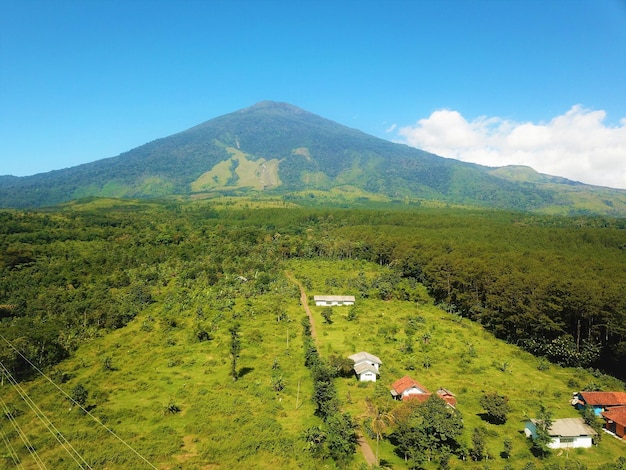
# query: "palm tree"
{"points": [[235, 348], [381, 418]]}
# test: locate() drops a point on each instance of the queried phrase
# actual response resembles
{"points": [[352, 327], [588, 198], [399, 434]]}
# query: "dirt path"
{"points": [[305, 303], [366, 449]]}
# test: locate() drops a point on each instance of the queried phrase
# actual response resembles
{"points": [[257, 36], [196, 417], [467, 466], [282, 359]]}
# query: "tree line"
{"points": [[554, 285]]}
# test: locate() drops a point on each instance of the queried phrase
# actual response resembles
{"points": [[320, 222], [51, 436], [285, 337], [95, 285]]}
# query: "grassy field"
{"points": [[172, 403], [454, 353], [239, 172], [157, 367]]}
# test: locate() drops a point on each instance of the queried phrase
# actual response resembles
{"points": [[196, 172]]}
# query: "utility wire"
{"points": [[67, 446], [31, 449], [5, 438], [88, 413]]}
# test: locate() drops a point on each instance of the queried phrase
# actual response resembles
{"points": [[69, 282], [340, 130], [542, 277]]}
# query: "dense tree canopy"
{"points": [[555, 285], [425, 430]]}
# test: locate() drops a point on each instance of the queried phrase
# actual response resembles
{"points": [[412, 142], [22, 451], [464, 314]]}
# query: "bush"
{"points": [[496, 406], [171, 408], [79, 395]]}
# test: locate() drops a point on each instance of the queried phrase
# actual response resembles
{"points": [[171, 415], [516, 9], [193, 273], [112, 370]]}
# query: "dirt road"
{"points": [[305, 303], [366, 449]]}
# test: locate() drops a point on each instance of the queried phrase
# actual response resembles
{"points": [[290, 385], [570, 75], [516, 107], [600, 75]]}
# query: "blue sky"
{"points": [[537, 82]]}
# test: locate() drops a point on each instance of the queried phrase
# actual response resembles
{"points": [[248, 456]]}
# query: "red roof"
{"points": [[603, 398], [617, 415], [448, 396], [421, 397], [407, 382]]}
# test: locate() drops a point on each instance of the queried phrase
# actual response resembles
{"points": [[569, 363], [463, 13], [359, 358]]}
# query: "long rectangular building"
{"points": [[333, 300]]}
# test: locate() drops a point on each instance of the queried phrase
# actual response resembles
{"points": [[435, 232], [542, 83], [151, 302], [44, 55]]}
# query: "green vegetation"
{"points": [[496, 406], [143, 313], [79, 395], [280, 150], [543, 423], [427, 431], [238, 172], [463, 358], [235, 349], [336, 438]]}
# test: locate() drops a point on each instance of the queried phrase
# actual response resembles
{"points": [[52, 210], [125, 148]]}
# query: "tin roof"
{"points": [[604, 398], [365, 357], [569, 427], [364, 367], [334, 298]]}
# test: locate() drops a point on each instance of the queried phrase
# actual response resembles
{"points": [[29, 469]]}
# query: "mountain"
{"points": [[278, 148]]}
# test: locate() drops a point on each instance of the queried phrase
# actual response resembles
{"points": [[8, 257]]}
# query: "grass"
{"points": [[255, 174], [460, 356], [172, 399], [221, 422]]}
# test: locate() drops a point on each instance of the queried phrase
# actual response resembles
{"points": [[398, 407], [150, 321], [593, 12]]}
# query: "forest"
{"points": [[310, 155], [73, 274]]}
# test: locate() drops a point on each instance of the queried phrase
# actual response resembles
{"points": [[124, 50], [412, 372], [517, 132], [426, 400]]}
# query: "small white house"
{"points": [[366, 366], [333, 300], [566, 433]]}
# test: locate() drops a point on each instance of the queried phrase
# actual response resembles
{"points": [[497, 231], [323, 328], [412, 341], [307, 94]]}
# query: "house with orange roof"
{"points": [[615, 420], [599, 401], [408, 388]]}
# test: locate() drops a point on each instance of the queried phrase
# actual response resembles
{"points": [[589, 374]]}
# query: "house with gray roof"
{"points": [[333, 300], [366, 366], [566, 433]]}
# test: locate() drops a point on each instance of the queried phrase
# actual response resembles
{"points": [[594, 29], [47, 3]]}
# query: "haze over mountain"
{"points": [[278, 148]]}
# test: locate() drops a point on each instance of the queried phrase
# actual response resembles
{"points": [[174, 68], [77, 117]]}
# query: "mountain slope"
{"points": [[280, 148]]}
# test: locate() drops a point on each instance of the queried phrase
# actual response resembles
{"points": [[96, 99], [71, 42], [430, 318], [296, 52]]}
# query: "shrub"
{"points": [[79, 395], [496, 406], [171, 408]]}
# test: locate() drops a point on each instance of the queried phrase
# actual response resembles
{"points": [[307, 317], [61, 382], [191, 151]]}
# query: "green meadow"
{"points": [[171, 335], [448, 351], [156, 392]]}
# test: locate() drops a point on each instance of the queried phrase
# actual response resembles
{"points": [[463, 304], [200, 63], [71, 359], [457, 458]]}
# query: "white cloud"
{"points": [[577, 145]]}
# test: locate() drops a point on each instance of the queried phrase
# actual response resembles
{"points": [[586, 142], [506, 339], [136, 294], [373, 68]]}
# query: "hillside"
{"points": [[171, 403], [277, 148], [145, 312]]}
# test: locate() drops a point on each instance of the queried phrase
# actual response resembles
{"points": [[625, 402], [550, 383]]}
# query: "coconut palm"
{"points": [[381, 418]]}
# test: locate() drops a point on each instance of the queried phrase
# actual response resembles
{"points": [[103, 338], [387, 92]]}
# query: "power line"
{"points": [[88, 413], [67, 446], [5, 438], [31, 449]]}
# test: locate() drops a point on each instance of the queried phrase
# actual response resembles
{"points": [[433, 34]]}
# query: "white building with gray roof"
{"points": [[565, 433], [366, 366]]}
